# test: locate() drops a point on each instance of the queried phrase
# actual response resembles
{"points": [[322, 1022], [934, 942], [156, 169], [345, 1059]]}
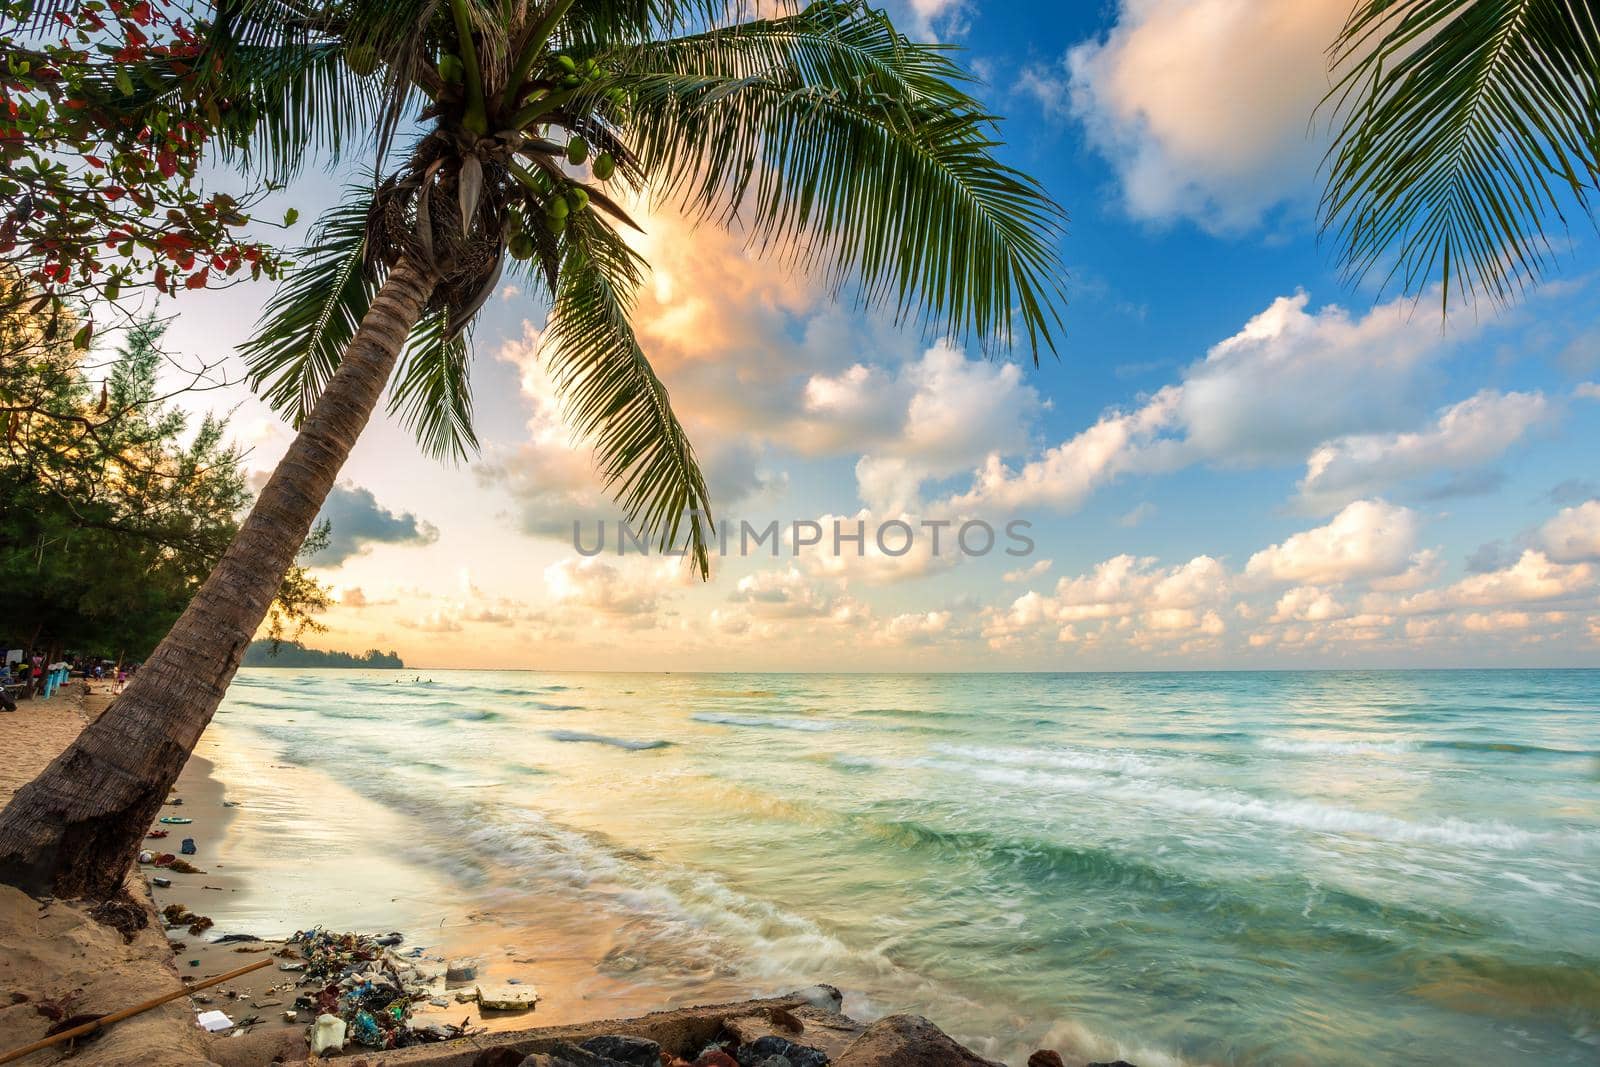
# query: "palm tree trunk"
{"points": [[74, 830]]}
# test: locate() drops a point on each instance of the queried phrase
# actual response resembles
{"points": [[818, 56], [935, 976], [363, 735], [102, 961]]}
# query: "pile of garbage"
{"points": [[363, 993]]}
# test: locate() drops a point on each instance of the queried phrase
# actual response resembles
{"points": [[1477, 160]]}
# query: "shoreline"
{"points": [[577, 999]]}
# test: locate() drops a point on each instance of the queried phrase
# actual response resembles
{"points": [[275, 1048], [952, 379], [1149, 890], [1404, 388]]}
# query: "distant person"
{"points": [[122, 680]]}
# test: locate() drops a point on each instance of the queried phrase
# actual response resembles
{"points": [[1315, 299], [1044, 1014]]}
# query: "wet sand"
{"points": [[576, 957]]}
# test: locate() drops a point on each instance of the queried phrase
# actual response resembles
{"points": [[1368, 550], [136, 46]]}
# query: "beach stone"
{"points": [[637, 1051], [761, 1051], [461, 972], [1045, 1058], [507, 998], [909, 1041], [715, 1057]]}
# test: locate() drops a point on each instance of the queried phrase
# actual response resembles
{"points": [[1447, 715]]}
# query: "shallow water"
{"points": [[1239, 868]]}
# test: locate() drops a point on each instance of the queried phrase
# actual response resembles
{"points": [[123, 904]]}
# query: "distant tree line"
{"points": [[269, 653], [114, 503]]}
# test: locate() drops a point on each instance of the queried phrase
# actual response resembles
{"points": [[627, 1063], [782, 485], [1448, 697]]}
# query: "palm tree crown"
{"points": [[836, 143], [1467, 129]]}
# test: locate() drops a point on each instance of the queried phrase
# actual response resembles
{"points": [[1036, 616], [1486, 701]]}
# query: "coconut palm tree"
{"points": [[832, 141], [1467, 130]]}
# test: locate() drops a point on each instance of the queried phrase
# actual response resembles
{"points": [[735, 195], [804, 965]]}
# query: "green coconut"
{"points": [[604, 167], [451, 69], [521, 246], [567, 64], [557, 208], [362, 59], [579, 198], [577, 150]]}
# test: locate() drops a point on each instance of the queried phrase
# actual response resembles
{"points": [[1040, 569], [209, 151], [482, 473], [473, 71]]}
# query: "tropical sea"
{"points": [[1220, 868]]}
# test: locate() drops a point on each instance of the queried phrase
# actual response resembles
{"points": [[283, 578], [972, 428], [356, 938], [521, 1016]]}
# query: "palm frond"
{"points": [[613, 397], [305, 327], [844, 147], [1465, 127], [431, 394], [297, 103]]}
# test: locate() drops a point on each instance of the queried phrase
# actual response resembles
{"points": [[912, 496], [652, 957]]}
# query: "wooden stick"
{"points": [[128, 1013]]}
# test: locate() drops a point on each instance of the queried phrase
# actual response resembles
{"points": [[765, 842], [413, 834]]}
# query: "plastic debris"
{"points": [[175, 820], [327, 1034], [370, 990], [187, 848], [213, 1022], [161, 883]]}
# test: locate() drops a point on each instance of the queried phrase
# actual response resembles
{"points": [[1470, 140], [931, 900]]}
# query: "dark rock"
{"points": [[757, 1052], [1045, 1058], [499, 1057], [1112, 1063], [908, 1041], [637, 1051], [565, 1055]]}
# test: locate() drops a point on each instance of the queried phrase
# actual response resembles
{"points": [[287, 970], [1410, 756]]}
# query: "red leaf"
{"points": [[198, 279]]}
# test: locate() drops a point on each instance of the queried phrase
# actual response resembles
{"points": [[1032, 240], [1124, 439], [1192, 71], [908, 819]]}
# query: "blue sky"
{"points": [[1237, 459]]}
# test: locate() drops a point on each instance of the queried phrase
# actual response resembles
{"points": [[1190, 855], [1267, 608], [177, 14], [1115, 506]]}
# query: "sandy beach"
{"points": [[558, 948]]}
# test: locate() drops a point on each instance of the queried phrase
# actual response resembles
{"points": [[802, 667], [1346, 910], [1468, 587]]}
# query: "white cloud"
{"points": [[1287, 381], [1573, 535], [595, 586], [1369, 538], [1204, 107], [940, 414], [1587, 391], [1023, 574], [1465, 435], [1533, 578], [1123, 594], [1307, 603]]}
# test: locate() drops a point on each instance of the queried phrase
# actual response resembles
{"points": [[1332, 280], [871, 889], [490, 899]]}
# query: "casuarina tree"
{"points": [[514, 136]]}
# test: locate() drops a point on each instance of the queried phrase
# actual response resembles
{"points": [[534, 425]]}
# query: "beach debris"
{"points": [[327, 1034], [291, 966], [389, 940], [290, 1016], [466, 996], [178, 915], [175, 800], [156, 835], [187, 848], [213, 1022], [56, 1008], [355, 979], [194, 963], [461, 971], [507, 998], [623, 1048], [161, 883], [175, 820]]}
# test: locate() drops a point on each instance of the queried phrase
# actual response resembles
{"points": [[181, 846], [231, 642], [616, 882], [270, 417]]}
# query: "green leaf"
{"points": [[845, 148], [1465, 130], [305, 327], [613, 397]]}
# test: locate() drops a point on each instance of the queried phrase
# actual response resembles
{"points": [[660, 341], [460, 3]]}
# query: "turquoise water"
{"points": [[1227, 868]]}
